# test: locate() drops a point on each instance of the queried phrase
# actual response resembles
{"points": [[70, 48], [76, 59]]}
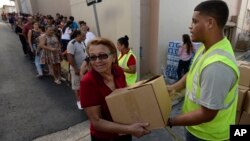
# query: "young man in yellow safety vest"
{"points": [[211, 84]]}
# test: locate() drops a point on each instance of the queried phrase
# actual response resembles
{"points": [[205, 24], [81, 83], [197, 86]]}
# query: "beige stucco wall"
{"points": [[242, 21], [51, 7], [17, 4], [145, 36], [45, 7], [25, 6], [243, 24], [234, 7], [155, 29], [116, 19]]}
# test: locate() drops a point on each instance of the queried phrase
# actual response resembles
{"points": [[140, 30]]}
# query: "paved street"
{"points": [[30, 107]]}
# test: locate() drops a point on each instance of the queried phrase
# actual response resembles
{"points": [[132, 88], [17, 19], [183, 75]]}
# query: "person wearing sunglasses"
{"points": [[127, 60], [103, 77]]}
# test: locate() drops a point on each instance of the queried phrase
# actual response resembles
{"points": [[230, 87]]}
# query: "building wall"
{"points": [[234, 7], [25, 6], [242, 18], [51, 7], [145, 36], [243, 22], [45, 7], [154, 37], [18, 5], [9, 9], [116, 19]]}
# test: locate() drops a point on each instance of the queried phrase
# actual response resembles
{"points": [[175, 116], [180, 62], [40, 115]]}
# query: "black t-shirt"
{"points": [[19, 30]]}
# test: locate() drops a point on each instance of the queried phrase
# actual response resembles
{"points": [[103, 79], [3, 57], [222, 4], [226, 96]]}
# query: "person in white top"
{"points": [[65, 35], [89, 35]]}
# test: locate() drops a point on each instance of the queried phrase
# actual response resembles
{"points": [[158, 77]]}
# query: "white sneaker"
{"points": [[58, 81], [79, 105], [63, 79], [39, 76]]}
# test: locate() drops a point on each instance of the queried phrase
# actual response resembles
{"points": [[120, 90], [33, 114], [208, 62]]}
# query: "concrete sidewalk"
{"points": [[80, 132]]}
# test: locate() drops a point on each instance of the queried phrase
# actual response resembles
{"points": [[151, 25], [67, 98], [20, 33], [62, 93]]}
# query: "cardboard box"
{"points": [[242, 92], [241, 45], [244, 75], [146, 101], [245, 118], [238, 115], [240, 62], [246, 105]]}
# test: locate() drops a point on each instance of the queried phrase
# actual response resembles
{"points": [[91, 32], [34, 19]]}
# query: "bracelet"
{"points": [[170, 122]]}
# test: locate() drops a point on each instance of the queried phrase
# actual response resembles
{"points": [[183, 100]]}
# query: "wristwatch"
{"points": [[170, 122]]}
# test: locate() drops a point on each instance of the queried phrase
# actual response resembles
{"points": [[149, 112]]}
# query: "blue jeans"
{"points": [[38, 65]]}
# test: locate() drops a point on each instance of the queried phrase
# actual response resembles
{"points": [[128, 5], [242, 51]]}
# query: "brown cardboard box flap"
{"points": [[238, 115], [147, 102], [244, 118], [143, 82], [246, 103], [240, 62], [242, 92], [241, 87], [244, 75]]}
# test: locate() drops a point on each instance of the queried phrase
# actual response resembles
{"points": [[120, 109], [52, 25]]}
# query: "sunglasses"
{"points": [[100, 57]]}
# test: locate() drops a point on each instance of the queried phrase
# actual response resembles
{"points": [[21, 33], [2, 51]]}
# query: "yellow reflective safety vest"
{"points": [[219, 127], [130, 78]]}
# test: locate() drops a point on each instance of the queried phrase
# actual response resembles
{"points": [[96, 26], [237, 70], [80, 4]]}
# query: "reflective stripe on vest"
{"points": [[218, 128], [130, 78]]}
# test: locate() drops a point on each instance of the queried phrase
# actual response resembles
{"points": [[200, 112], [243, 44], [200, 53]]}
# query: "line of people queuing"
{"points": [[47, 41]]}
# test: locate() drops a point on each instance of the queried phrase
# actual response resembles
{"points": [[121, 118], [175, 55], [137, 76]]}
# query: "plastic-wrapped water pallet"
{"points": [[170, 71]]}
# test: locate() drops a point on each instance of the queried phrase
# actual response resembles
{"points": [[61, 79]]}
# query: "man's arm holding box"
{"points": [[181, 84], [196, 117]]}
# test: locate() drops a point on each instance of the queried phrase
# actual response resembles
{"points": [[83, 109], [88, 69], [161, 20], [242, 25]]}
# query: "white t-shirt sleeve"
{"points": [[69, 31], [89, 36]]}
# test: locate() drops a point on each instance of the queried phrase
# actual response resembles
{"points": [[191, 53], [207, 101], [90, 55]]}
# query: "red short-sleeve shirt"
{"points": [[131, 60], [93, 91]]}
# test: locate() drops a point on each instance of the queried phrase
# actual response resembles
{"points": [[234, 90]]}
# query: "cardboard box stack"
{"points": [[243, 107], [146, 101]]}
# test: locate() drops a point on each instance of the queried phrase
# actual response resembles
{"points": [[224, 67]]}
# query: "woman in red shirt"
{"points": [[105, 76]]}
